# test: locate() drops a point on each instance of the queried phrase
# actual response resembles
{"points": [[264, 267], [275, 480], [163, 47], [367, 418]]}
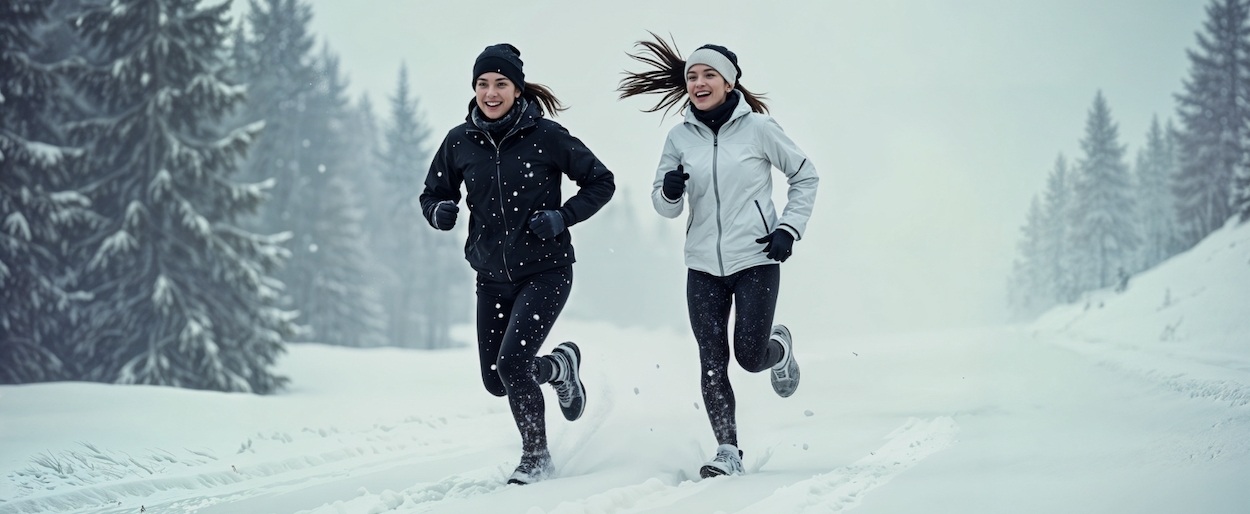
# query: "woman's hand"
{"points": [[778, 245], [444, 216], [547, 224], [675, 184]]}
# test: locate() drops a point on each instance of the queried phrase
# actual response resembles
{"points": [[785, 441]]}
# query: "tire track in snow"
{"points": [[846, 487]]}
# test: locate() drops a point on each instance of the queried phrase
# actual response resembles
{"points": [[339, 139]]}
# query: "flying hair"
{"points": [[544, 98], [667, 77]]}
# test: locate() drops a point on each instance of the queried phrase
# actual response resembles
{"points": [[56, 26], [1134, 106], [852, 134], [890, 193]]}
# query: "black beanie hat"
{"points": [[503, 59]]}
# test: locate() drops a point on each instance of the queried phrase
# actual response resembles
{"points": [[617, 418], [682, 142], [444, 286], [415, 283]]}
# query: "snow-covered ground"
{"points": [[1136, 403]]}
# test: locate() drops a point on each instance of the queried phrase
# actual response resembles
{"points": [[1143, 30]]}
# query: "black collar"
{"points": [[717, 116]]}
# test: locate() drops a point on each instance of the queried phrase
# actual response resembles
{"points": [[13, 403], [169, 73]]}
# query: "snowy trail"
{"points": [[1041, 427], [845, 488], [311, 479], [831, 492]]}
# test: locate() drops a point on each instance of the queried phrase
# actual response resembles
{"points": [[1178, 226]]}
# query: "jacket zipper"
{"points": [[762, 218], [720, 259], [502, 212]]}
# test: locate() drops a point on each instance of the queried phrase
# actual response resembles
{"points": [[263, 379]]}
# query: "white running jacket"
{"points": [[730, 188]]}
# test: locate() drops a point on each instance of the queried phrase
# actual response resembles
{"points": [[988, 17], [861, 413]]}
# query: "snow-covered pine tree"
{"points": [[327, 274], [405, 235], [431, 287], [1213, 113], [182, 296], [1029, 291], [1104, 232], [1055, 249], [365, 138], [275, 62], [1156, 217], [37, 204], [305, 150]]}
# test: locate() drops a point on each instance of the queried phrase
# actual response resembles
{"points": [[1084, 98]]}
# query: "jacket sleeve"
{"points": [[668, 162], [800, 175], [442, 181], [595, 182]]}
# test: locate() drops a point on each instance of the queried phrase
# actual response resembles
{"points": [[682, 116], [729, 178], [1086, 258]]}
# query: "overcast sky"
{"points": [[932, 124]]}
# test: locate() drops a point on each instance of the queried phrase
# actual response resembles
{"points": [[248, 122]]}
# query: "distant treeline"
{"points": [[1098, 221]]}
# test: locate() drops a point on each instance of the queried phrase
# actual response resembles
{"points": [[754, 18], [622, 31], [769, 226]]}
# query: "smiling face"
{"points": [[495, 94], [707, 88]]}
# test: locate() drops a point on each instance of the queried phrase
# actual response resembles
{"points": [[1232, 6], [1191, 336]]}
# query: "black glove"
{"points": [[674, 184], [444, 215], [547, 224], [779, 244]]}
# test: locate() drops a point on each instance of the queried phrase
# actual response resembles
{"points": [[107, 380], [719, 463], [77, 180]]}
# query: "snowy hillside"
{"points": [[1137, 403], [1186, 322]]}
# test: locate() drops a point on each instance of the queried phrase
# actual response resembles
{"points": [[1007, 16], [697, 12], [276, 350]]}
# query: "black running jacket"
{"points": [[506, 181]]}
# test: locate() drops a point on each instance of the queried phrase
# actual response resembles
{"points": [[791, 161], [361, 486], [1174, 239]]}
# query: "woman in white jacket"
{"points": [[719, 161]]}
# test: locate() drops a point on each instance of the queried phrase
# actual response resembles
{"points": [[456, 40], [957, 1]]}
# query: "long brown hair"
{"points": [[543, 97], [667, 77]]}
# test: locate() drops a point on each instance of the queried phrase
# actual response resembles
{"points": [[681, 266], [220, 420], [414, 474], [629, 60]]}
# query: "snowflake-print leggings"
{"points": [[753, 292], [513, 320]]}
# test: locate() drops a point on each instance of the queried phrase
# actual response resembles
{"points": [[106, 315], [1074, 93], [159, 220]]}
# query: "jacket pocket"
{"points": [[763, 219]]}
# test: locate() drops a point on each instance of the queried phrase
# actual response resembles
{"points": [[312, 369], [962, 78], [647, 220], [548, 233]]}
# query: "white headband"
{"points": [[716, 60]]}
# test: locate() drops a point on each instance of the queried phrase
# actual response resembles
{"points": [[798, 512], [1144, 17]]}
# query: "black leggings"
{"points": [[513, 320], [708, 297]]}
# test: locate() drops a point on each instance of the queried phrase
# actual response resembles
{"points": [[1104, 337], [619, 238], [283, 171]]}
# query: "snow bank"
{"points": [[1184, 324]]}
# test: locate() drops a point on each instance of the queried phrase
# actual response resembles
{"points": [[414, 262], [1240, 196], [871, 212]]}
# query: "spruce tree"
{"points": [[1029, 290], [182, 295], [364, 137], [330, 284], [277, 65], [430, 287], [38, 207], [306, 152], [1156, 165], [1104, 233], [1056, 225], [1213, 113], [405, 236]]}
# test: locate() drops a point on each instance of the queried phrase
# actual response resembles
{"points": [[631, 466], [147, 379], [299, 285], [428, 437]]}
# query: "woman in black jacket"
{"points": [[509, 158]]}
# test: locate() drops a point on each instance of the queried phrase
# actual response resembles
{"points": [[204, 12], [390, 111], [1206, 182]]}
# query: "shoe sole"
{"points": [[790, 392], [544, 475], [576, 377], [795, 377], [710, 471]]}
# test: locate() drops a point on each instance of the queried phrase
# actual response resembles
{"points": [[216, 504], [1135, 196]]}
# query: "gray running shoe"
{"points": [[568, 383], [533, 467], [728, 461], [785, 374]]}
